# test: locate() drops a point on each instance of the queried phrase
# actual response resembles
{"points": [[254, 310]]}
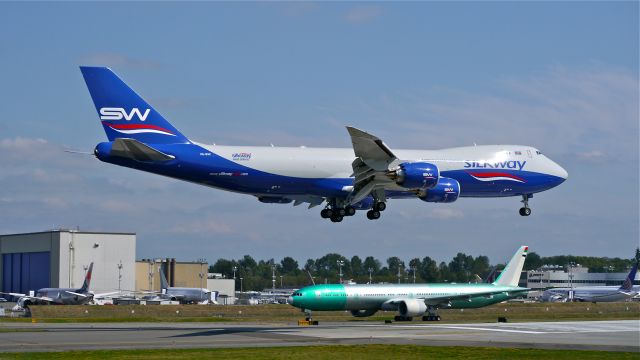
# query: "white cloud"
{"points": [[593, 155], [362, 14]]}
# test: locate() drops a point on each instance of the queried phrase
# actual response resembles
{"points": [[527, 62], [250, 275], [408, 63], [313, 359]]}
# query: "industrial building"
{"points": [[60, 258], [178, 274]]}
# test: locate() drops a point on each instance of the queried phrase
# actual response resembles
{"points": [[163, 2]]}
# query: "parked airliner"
{"points": [[59, 296], [344, 180], [595, 293], [411, 300]]}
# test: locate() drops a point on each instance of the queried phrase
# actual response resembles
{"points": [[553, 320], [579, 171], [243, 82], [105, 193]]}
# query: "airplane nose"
{"points": [[290, 300], [559, 171]]}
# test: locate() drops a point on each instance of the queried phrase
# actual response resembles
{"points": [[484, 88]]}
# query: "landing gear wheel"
{"points": [[326, 213], [380, 206], [525, 210], [336, 218], [373, 215], [341, 212], [350, 211]]}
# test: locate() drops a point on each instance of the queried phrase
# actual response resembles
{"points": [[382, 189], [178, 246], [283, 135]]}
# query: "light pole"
{"points": [[570, 270], [151, 263], [202, 261], [119, 275], [413, 268], [370, 272], [234, 268], [241, 285], [281, 276], [340, 264], [399, 275], [273, 277]]}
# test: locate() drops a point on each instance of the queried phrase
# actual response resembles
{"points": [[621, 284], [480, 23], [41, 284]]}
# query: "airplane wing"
{"points": [[135, 150], [448, 298], [433, 301], [373, 160], [43, 298], [102, 295], [76, 294]]}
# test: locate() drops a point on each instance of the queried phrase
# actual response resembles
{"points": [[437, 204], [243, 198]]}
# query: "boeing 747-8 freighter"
{"points": [[343, 179]]}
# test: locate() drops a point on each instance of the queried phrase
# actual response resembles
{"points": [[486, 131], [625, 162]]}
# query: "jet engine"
{"points": [[363, 313], [446, 190], [410, 308], [415, 175]]}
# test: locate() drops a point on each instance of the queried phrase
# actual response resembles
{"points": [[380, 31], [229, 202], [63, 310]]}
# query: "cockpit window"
{"points": [[518, 152], [538, 152]]}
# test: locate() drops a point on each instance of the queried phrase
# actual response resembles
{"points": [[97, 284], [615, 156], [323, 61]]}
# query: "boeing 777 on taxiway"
{"points": [[345, 180], [411, 300]]}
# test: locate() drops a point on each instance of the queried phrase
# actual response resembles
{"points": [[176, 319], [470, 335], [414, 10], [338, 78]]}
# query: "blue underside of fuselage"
{"points": [[221, 173]]}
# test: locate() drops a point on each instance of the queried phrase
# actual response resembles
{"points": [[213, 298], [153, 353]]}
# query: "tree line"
{"points": [[258, 275]]}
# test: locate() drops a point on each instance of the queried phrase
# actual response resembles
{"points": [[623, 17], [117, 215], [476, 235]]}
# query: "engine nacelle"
{"points": [[446, 190], [410, 308], [363, 313], [416, 175]]}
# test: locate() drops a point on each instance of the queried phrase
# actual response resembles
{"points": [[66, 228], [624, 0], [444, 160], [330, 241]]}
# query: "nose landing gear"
{"points": [[525, 210]]}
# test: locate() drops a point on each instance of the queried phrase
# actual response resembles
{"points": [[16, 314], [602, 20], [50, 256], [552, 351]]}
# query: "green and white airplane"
{"points": [[411, 300]]}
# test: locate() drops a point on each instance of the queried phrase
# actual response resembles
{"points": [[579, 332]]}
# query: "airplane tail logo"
{"points": [[123, 113], [627, 285], [87, 280]]}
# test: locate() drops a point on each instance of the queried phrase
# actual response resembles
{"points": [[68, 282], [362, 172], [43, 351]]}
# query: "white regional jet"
{"points": [[345, 180]]}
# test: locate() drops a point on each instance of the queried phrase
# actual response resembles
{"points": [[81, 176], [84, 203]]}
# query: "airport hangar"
{"points": [[60, 258]]}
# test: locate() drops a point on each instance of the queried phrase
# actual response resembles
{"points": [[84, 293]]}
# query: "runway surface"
{"points": [[621, 335]]}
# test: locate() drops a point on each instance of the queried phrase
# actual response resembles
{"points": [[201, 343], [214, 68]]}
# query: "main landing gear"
{"points": [[431, 315], [525, 210], [374, 213], [336, 214]]}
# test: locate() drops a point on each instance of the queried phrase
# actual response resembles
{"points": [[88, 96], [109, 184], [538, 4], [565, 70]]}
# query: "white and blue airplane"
{"points": [[596, 293], [343, 179]]}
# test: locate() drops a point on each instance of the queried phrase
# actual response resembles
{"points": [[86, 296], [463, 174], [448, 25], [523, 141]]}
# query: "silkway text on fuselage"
{"points": [[496, 165]]}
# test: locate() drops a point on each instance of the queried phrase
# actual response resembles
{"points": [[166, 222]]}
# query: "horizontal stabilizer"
{"points": [[135, 150]]}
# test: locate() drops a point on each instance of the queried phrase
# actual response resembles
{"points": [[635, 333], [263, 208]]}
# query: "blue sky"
{"points": [[562, 77]]}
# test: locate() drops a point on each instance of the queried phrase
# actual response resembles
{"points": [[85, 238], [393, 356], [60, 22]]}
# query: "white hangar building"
{"points": [[60, 258]]}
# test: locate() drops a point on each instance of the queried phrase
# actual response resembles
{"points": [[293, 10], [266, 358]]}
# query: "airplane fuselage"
{"points": [[291, 173], [335, 297], [591, 294]]}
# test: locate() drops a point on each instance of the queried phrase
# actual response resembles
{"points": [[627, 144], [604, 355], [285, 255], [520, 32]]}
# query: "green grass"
{"points": [[369, 352], [287, 314]]}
